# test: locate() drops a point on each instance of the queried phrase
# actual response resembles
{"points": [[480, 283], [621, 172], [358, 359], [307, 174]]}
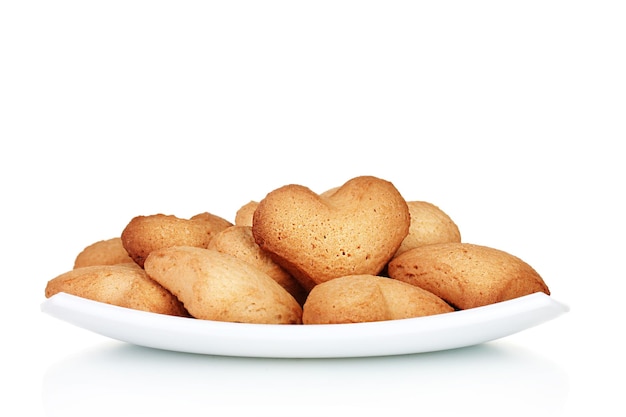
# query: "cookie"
{"points": [[123, 285], [467, 275], [103, 252], [243, 216], [354, 231], [367, 298], [239, 242], [429, 225], [218, 286], [143, 234], [213, 223]]}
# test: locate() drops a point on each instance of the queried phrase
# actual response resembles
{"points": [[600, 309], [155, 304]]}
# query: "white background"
{"points": [[507, 115]]}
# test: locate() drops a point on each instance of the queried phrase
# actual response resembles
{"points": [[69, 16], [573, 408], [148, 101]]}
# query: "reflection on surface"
{"points": [[126, 380]]}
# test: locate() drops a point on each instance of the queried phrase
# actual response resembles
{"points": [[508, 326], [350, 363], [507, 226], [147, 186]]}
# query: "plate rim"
{"points": [[393, 337]]}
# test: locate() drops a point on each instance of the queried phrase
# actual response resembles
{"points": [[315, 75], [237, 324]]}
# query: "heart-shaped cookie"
{"points": [[124, 285], [467, 275], [366, 298], [355, 230], [218, 286]]}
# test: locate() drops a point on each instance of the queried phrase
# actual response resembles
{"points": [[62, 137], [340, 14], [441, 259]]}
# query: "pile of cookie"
{"points": [[359, 252]]}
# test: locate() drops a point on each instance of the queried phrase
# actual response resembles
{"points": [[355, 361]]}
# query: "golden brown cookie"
{"points": [[214, 224], [244, 215], [103, 252], [366, 298], [467, 275], [239, 242], [123, 285], [429, 225], [218, 286], [354, 231], [328, 193], [143, 234]]}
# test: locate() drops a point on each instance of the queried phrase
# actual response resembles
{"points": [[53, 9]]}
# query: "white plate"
{"points": [[395, 337]]}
